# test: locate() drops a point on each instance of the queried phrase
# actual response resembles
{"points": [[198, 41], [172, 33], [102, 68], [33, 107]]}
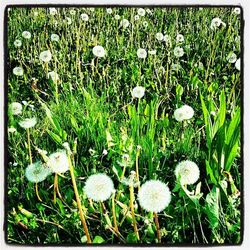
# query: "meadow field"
{"points": [[123, 125]]}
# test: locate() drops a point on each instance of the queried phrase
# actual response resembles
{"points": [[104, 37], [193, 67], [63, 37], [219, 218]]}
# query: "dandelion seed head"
{"points": [[28, 122], [54, 76], [109, 10], [216, 23], [145, 24], [231, 58], [45, 56], [11, 130], [187, 172], [154, 196], [236, 11], [72, 12], [52, 11], [124, 23], [69, 20], [183, 113], [138, 92], [58, 162], [237, 64], [26, 34], [99, 187], [136, 17], [16, 108], [117, 17], [159, 36], [179, 38], [178, 51], [18, 71], [167, 38], [37, 172], [54, 37], [99, 51], [141, 53], [141, 12], [17, 43], [84, 17]]}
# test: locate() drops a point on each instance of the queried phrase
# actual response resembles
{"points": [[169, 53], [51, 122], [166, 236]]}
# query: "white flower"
{"points": [[154, 196], [117, 17], [178, 51], [152, 52], [142, 53], [52, 11], [109, 10], [53, 75], [72, 12], [141, 12], [16, 108], [179, 38], [58, 162], [138, 92], [28, 122], [11, 130], [99, 187], [145, 24], [216, 22], [54, 37], [26, 35], [69, 21], [159, 36], [18, 71], [183, 113], [237, 64], [236, 11], [84, 17], [187, 172], [37, 172], [18, 43], [99, 51], [167, 38], [124, 23], [45, 56], [104, 152], [136, 17], [231, 58]]}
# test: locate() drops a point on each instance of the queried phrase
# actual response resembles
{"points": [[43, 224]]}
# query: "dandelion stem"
{"points": [[114, 214], [84, 223], [157, 227], [55, 186], [37, 193], [29, 148], [131, 189], [47, 70], [137, 169]]}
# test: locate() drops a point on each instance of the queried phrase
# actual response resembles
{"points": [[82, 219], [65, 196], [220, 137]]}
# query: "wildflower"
{"points": [[58, 162], [145, 24], [152, 52], [136, 17], [138, 92], [237, 64], [187, 172], [52, 11], [141, 53], [236, 11], [216, 22], [84, 17], [99, 187], [179, 38], [45, 56], [159, 36], [154, 196], [69, 21], [72, 12], [26, 35], [231, 58], [11, 130], [99, 51], [67, 147], [167, 38], [183, 113], [37, 172], [28, 123], [124, 23], [109, 10], [117, 17], [131, 180], [141, 12], [18, 71], [54, 37], [16, 108], [178, 51], [53, 75], [18, 43]]}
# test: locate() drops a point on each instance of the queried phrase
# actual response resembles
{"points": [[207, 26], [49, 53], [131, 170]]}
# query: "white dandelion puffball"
{"points": [[11, 130], [178, 51], [141, 12], [72, 12], [167, 38], [187, 172], [159, 36], [236, 11], [154, 196], [99, 187], [183, 113], [26, 35], [18, 43], [237, 64], [179, 38], [58, 162], [109, 10], [18, 71], [99, 51], [53, 75], [216, 23], [45, 56], [37, 172], [69, 21], [138, 92], [28, 122], [231, 58], [145, 24], [152, 52], [117, 17], [16, 108], [141, 53], [84, 17], [52, 11], [125, 23], [136, 17], [54, 37]]}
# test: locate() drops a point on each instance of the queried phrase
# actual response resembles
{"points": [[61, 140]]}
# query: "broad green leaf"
{"points": [[56, 138], [98, 240], [210, 172]]}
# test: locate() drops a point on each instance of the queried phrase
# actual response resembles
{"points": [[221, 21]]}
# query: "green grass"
{"points": [[92, 108]]}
